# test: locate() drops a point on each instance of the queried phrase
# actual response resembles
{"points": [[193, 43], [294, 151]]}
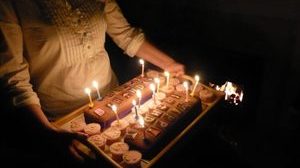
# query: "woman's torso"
{"points": [[64, 47]]}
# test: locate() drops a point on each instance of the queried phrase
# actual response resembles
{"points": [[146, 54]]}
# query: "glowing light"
{"points": [[96, 86], [115, 110], [197, 78], [88, 92]]}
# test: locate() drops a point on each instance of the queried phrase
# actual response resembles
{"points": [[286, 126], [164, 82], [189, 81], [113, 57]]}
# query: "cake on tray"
{"points": [[160, 118]]}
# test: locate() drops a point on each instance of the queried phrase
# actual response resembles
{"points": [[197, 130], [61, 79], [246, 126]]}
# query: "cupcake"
{"points": [[207, 96], [168, 89], [180, 88], [77, 126], [132, 158], [143, 110], [98, 140], [117, 150], [152, 74], [92, 129], [174, 81], [112, 135], [120, 125], [160, 96]]}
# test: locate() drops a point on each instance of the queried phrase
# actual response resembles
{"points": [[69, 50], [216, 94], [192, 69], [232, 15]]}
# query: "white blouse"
{"points": [[50, 50]]}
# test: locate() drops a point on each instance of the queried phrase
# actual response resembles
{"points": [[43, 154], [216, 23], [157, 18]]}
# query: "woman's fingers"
{"points": [[72, 135], [74, 153], [176, 68]]}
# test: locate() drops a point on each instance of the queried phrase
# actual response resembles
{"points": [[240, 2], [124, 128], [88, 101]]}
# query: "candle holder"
{"points": [[136, 110]]}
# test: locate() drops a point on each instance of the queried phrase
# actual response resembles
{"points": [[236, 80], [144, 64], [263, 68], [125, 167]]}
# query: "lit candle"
{"points": [[139, 95], [152, 87], [96, 86], [157, 81], [88, 92], [186, 86], [142, 62], [135, 109], [115, 110], [197, 78], [167, 74]]}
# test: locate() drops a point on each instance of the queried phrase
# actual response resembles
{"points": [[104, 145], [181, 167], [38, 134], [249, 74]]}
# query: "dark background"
{"points": [[254, 43]]}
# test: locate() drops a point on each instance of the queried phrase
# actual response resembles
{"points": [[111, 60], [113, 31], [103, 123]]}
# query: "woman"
{"points": [[51, 49]]}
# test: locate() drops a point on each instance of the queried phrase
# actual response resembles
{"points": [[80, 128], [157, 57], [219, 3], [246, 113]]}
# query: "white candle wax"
{"points": [[152, 87], [115, 110], [142, 62], [96, 86], [139, 95], [186, 86]]}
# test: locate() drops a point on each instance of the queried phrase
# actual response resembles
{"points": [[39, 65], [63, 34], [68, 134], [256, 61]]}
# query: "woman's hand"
{"points": [[60, 139], [64, 140], [153, 55], [175, 68]]}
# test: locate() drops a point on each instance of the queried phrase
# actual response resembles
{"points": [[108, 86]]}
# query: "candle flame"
{"points": [[186, 85], [229, 90], [152, 87], [197, 77], [114, 108], [233, 93], [166, 73], [156, 80], [139, 93], [95, 84], [142, 62], [133, 102], [87, 91]]}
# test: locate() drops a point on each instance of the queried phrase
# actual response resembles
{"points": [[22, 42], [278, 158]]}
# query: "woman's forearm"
{"points": [[153, 55], [37, 115]]}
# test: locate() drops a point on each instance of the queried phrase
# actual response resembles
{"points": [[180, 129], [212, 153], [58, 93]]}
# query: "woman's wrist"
{"points": [[167, 64]]}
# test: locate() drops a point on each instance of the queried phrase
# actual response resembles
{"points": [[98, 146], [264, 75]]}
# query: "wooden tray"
{"points": [[93, 152]]}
